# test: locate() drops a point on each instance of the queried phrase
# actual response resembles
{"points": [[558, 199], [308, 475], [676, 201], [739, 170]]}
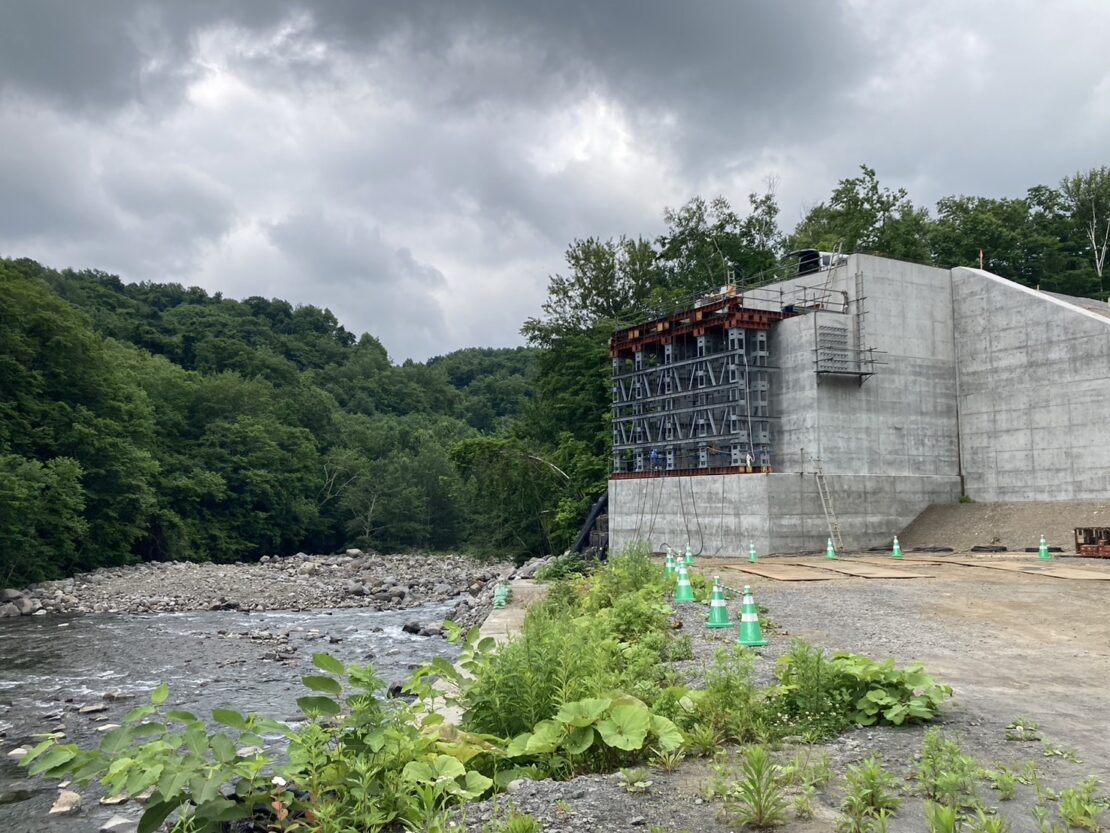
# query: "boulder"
{"points": [[10, 595], [356, 589], [8, 611], [26, 606], [442, 589], [308, 568], [411, 627], [67, 804], [120, 824]]}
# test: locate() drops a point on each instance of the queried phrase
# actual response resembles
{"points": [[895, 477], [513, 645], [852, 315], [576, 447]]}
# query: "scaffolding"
{"points": [[691, 390]]}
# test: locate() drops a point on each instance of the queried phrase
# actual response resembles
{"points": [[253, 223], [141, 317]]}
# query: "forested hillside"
{"points": [[154, 421]]}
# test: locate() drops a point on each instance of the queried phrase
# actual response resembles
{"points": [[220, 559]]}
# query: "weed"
{"points": [[1040, 814], [1080, 808], [730, 704], [1023, 730], [513, 822], [1005, 781], [875, 787], [941, 818], [680, 648], [803, 802], [567, 564], [702, 740], [1051, 751], [983, 822], [635, 780], [668, 759], [946, 774], [563, 807], [757, 799]]}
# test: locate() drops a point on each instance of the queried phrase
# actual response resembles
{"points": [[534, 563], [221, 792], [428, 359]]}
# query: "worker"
{"points": [[655, 458]]}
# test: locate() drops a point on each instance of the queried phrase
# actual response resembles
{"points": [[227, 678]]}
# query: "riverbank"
{"points": [[299, 582]]}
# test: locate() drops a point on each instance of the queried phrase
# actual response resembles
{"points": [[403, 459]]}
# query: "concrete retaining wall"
{"points": [[1034, 378]]}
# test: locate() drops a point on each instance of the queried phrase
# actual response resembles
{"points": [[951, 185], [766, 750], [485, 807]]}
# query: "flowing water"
{"points": [[50, 666]]}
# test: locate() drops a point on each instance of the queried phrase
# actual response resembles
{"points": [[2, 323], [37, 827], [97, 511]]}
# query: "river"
{"points": [[52, 665]]}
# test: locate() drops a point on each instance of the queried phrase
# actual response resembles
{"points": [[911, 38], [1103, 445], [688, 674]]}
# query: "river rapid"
{"points": [[50, 666]]}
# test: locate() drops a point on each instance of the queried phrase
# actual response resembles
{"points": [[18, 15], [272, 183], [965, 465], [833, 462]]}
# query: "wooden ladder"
{"points": [[830, 510]]}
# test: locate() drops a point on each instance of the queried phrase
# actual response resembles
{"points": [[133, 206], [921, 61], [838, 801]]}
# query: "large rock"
{"points": [[120, 824], [67, 804], [308, 568], [10, 595], [27, 606], [9, 611]]}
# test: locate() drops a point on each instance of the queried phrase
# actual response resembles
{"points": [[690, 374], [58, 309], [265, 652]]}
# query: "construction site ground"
{"points": [[1011, 644]]}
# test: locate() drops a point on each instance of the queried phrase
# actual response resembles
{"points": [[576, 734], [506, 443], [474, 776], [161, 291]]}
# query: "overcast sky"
{"points": [[420, 167]]}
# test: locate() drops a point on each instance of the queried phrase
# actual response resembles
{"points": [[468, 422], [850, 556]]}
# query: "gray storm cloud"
{"points": [[419, 167]]}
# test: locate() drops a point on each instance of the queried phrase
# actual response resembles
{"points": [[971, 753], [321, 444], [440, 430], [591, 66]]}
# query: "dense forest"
{"points": [[153, 421]]}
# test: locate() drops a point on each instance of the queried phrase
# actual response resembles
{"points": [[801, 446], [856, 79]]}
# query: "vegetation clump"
{"points": [[585, 687]]}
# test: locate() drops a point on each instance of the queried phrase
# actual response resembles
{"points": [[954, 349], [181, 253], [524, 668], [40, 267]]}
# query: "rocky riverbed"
{"points": [[300, 582]]}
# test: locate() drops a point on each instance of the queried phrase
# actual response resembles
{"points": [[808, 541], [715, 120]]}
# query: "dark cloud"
{"points": [[419, 166]]}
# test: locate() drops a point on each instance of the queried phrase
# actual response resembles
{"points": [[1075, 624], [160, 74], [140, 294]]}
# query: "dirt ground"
{"points": [[1012, 645]]}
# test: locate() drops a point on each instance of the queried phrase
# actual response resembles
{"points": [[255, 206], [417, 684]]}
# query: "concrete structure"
{"points": [[902, 386]]}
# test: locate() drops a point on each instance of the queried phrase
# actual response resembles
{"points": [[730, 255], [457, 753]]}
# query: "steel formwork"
{"points": [[691, 391]]}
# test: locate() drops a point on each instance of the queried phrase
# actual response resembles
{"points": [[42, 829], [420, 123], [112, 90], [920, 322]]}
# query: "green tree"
{"points": [[864, 216]]}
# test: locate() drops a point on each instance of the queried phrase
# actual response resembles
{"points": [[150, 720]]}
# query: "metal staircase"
{"points": [[830, 510]]}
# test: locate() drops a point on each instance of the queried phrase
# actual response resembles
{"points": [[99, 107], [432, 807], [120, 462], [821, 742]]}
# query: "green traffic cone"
{"points": [[830, 551], [1044, 554], [752, 556], [689, 556], [897, 549], [718, 610], [669, 566], [751, 634], [683, 592]]}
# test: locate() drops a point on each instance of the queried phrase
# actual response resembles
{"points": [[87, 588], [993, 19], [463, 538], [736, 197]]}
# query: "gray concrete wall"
{"points": [[1034, 380], [720, 515], [715, 514], [1012, 384], [902, 420]]}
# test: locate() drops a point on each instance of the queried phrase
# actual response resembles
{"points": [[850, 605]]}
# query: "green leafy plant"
{"points": [[635, 780], [870, 798], [984, 822], [568, 564], [942, 818], [731, 705], [1081, 808], [819, 696], [1023, 730], [757, 798], [1005, 781], [803, 802], [946, 774], [703, 740], [1051, 751], [668, 759]]}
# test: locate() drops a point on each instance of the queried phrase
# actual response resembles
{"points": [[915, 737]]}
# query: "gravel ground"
{"points": [[1011, 645]]}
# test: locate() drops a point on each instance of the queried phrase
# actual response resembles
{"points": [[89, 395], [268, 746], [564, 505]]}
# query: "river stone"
{"points": [[18, 752], [67, 804], [16, 793], [92, 708], [309, 568], [8, 611], [9, 595], [120, 824], [26, 606], [411, 627], [442, 589], [113, 800]]}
